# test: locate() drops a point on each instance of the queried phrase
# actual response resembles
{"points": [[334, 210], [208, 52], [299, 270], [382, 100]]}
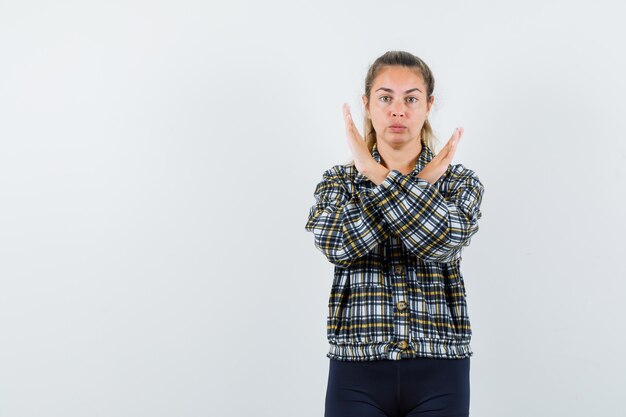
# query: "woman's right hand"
{"points": [[439, 164], [360, 153]]}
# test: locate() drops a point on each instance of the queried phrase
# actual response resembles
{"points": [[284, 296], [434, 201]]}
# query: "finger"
{"points": [[347, 117], [456, 136], [453, 146], [350, 126], [448, 146], [460, 131], [459, 135]]}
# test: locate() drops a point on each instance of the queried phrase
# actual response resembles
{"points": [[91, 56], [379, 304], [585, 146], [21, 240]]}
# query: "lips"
{"points": [[397, 128]]}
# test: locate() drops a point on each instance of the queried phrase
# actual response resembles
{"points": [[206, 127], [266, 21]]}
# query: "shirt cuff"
{"points": [[380, 191], [393, 180]]}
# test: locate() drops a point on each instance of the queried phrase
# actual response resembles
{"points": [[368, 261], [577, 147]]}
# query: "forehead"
{"points": [[399, 79]]}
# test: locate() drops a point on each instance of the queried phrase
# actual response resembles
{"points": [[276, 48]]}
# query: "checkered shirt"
{"points": [[397, 290]]}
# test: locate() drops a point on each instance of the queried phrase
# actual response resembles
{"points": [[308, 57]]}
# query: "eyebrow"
{"points": [[389, 90]]}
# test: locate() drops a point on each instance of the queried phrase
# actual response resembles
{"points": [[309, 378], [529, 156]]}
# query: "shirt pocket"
{"points": [[456, 297], [360, 314], [446, 315], [338, 320], [438, 318], [437, 302]]}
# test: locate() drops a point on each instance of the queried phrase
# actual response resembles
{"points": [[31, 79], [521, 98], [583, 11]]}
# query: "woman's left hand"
{"points": [[440, 163], [362, 157]]}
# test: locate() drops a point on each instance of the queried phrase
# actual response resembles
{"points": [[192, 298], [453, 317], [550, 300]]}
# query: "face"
{"points": [[398, 105]]}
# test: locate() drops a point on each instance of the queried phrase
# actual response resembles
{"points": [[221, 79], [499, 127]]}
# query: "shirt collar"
{"points": [[426, 155]]}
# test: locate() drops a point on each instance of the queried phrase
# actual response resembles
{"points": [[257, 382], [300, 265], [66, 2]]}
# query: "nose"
{"points": [[397, 111]]}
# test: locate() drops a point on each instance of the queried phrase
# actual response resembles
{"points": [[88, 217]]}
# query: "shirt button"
{"points": [[398, 269], [403, 344], [401, 305]]}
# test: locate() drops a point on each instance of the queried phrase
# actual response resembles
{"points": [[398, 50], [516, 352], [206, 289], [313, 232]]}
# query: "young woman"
{"points": [[394, 222]]}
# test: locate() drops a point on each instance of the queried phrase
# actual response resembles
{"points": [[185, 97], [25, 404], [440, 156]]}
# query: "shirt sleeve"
{"points": [[345, 226], [431, 226]]}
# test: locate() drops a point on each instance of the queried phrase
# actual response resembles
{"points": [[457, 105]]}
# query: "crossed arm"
{"points": [[434, 228]]}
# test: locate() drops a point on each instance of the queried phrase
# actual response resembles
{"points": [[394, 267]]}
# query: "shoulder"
{"points": [[459, 172], [344, 173], [458, 175], [338, 178], [335, 179]]}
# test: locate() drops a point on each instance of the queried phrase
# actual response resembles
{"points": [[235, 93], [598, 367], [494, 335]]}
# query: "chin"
{"points": [[397, 139]]}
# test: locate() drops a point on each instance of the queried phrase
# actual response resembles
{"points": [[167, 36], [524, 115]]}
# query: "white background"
{"points": [[157, 165]]}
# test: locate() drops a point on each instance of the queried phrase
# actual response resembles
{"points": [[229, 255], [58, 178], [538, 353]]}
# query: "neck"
{"points": [[402, 158]]}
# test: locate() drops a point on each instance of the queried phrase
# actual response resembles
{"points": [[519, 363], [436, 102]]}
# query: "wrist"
{"points": [[376, 173]]}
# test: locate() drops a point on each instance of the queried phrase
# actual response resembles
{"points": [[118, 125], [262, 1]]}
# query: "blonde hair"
{"points": [[405, 59]]}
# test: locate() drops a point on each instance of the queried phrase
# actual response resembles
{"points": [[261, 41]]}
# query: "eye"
{"points": [[383, 97], [414, 99]]}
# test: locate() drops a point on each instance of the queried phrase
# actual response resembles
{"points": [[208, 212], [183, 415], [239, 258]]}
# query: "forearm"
{"points": [[376, 173], [431, 226], [345, 227]]}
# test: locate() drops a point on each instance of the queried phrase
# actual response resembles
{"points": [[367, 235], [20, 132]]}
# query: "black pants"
{"points": [[424, 387]]}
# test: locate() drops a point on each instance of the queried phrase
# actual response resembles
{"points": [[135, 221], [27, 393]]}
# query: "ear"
{"points": [[364, 98], [429, 105]]}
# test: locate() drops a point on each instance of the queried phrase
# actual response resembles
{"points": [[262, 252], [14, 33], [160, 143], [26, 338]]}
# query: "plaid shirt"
{"points": [[397, 291]]}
